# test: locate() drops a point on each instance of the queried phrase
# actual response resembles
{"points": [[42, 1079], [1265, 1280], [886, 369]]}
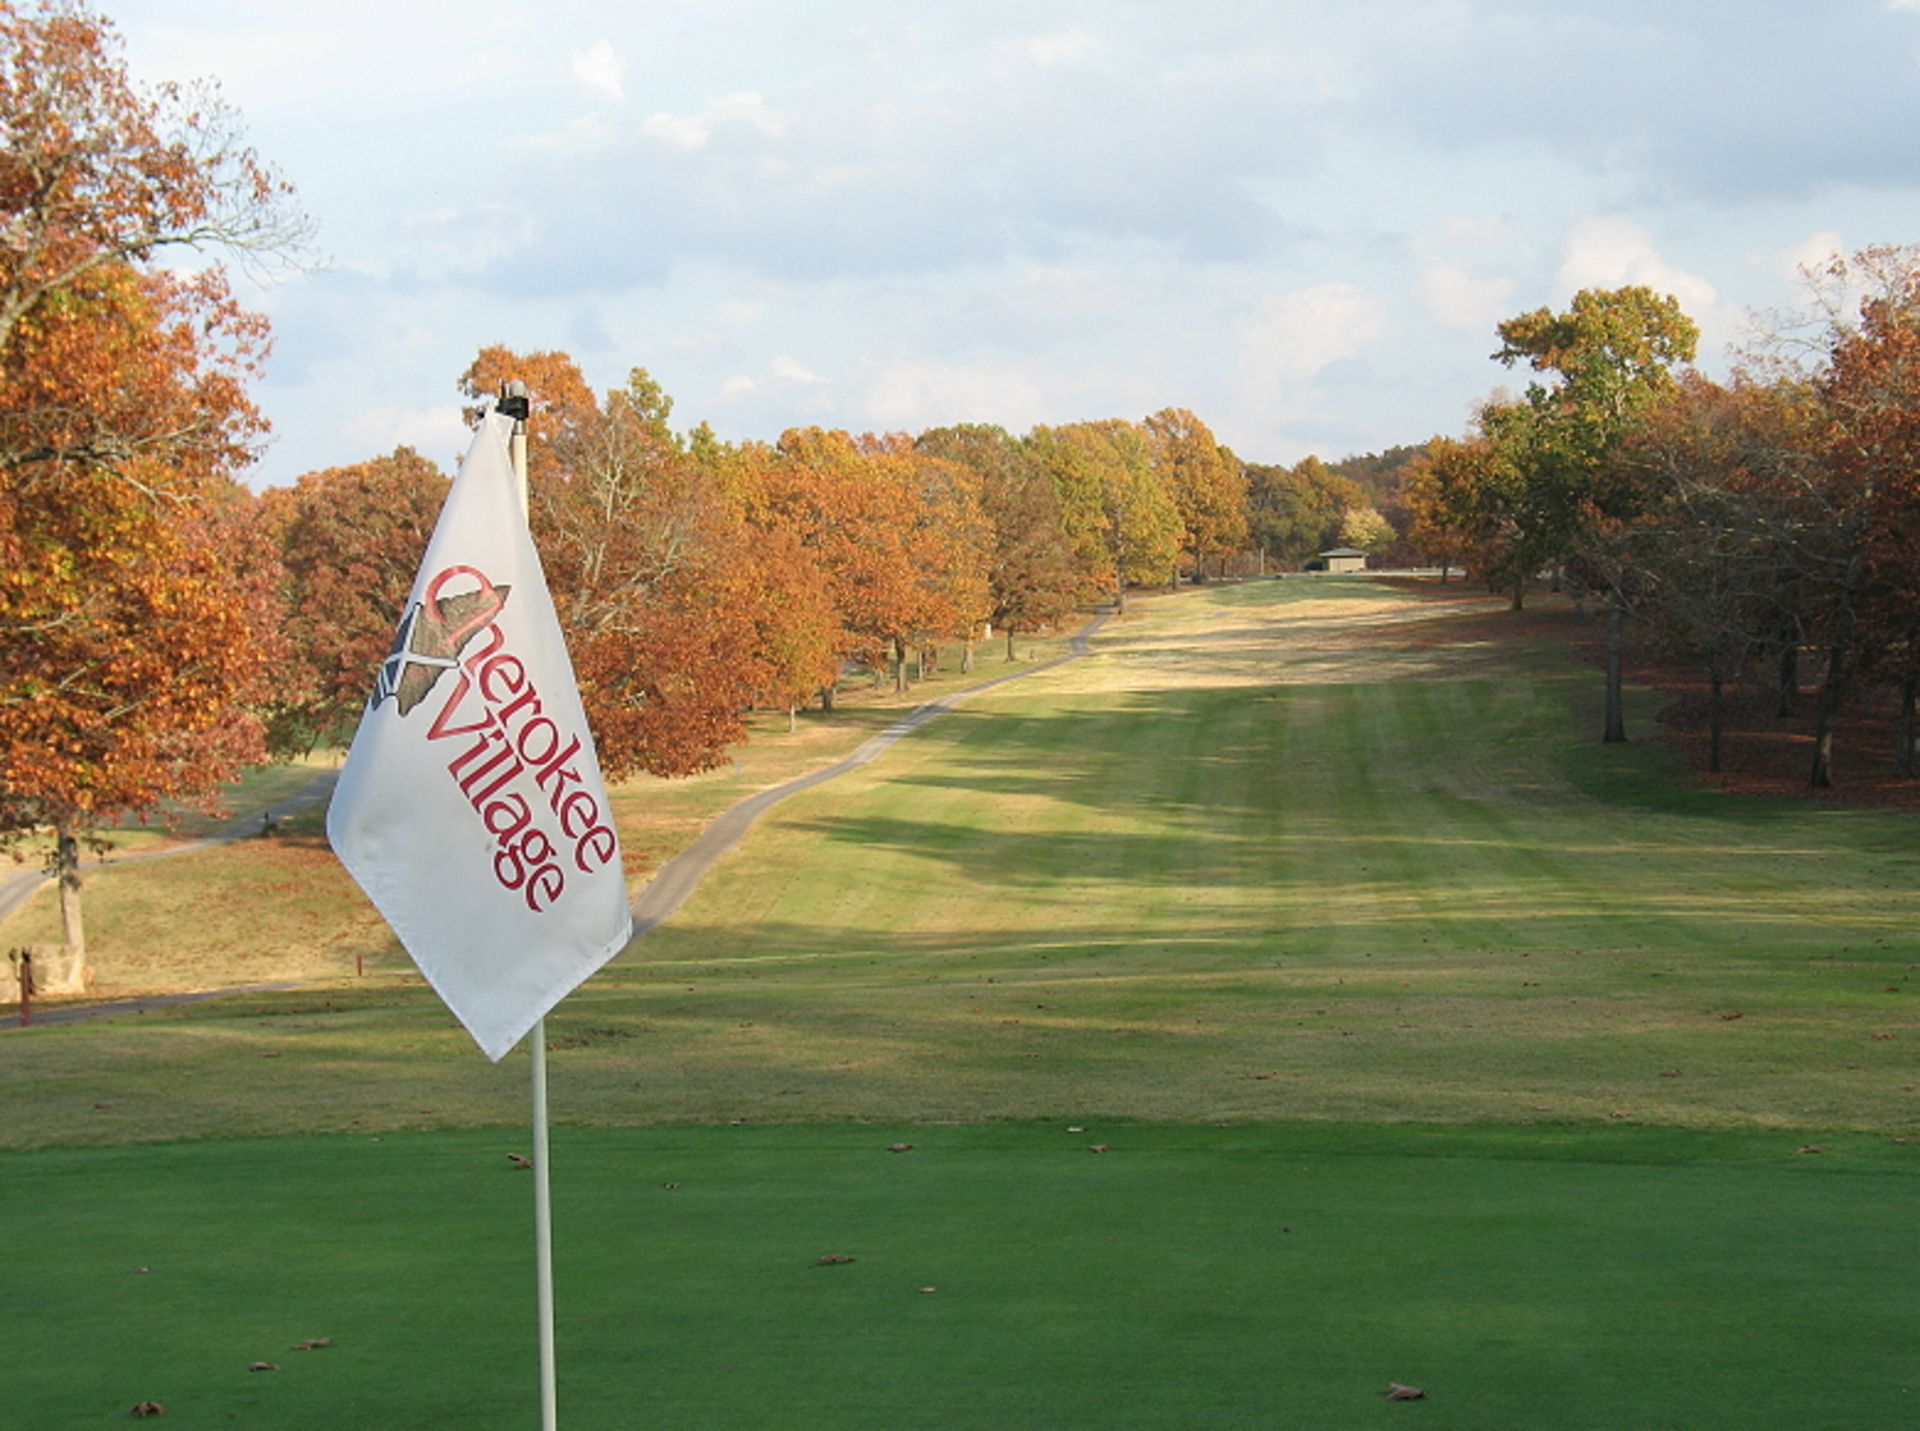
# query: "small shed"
{"points": [[1343, 559]]}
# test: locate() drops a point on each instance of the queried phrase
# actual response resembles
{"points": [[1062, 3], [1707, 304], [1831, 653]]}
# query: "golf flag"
{"points": [[471, 808]]}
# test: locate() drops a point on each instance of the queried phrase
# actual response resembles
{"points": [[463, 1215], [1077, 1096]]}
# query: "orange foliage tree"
{"points": [[350, 540], [643, 555], [132, 591]]}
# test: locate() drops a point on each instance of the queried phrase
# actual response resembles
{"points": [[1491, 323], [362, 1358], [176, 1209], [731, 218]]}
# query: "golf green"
{"points": [[999, 1276]]}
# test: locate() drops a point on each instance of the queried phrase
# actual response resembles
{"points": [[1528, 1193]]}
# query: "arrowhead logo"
{"points": [[431, 637]]}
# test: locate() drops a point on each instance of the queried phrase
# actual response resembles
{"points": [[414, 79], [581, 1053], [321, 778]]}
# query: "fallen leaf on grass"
{"points": [[833, 1259], [929, 1289], [669, 1186], [519, 1160], [1397, 1392], [313, 1344], [1669, 1073], [899, 1147], [1619, 1113], [1883, 1035], [149, 1408], [1099, 1148], [1812, 1148], [1263, 1077], [265, 1366], [143, 1269], [1075, 1129], [1732, 1014]]}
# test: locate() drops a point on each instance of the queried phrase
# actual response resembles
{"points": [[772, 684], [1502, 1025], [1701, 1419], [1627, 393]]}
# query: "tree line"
{"points": [[1748, 525]]}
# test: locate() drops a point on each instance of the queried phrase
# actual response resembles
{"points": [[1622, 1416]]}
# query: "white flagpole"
{"points": [[537, 1048]]}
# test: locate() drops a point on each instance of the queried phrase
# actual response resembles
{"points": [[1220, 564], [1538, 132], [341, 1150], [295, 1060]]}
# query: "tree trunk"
{"points": [[1903, 755], [793, 721], [899, 666], [1445, 567], [826, 699], [1716, 708], [966, 658], [1616, 725], [1822, 775], [1519, 596], [1120, 597], [1263, 561], [1010, 655], [75, 977], [1789, 679]]}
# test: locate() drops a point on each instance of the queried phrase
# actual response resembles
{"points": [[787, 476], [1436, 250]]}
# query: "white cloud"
{"points": [[912, 395], [1057, 48], [1457, 299], [599, 70], [1294, 335], [1610, 253], [696, 131], [1812, 252], [739, 385], [789, 370], [452, 241], [431, 431]]}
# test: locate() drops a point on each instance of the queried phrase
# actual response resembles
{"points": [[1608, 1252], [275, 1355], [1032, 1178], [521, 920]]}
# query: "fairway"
{"points": [[1434, 1042]]}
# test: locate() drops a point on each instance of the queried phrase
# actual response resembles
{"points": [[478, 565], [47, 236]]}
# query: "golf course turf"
{"points": [[1431, 1041]]}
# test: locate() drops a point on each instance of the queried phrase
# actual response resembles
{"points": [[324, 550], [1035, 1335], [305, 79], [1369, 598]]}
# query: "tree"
{"points": [[1031, 577], [1440, 515], [1126, 519], [646, 563], [1607, 357], [1871, 392], [132, 623], [1850, 353], [1206, 482], [1365, 529], [1711, 555], [350, 540]]}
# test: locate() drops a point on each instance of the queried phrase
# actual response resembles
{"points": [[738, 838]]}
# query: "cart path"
{"points": [[677, 879], [18, 887], [672, 884]]}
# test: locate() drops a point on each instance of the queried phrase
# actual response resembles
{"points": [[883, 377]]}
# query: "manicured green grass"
{"points": [[1280, 851], [1252, 1276], [1434, 1042]]}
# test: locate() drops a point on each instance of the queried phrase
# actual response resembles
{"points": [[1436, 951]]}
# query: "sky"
{"points": [[1300, 220]]}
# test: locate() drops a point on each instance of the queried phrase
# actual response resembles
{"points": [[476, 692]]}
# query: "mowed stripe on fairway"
{"points": [[1283, 850], [1227, 838]]}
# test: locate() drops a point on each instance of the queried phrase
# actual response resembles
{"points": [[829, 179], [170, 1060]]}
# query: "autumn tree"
{"points": [[1440, 500], [131, 617], [1869, 386], [350, 540], [1713, 549], [1604, 360], [643, 556], [1116, 509], [1031, 576], [1205, 480]]}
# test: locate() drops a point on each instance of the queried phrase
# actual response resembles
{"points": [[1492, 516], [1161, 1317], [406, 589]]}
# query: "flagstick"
{"points": [[537, 1047]]}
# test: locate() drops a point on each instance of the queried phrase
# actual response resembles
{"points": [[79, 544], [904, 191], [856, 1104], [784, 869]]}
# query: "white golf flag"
{"points": [[471, 808]]}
